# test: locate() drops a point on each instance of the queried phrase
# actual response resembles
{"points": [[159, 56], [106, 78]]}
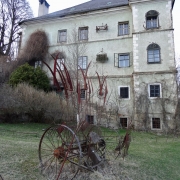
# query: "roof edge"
{"points": [[70, 13]]}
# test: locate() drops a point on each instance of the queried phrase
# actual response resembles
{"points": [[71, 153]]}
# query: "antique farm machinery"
{"points": [[72, 148]]}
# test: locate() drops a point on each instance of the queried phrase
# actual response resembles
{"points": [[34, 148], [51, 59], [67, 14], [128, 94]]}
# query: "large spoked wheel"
{"points": [[59, 153]]}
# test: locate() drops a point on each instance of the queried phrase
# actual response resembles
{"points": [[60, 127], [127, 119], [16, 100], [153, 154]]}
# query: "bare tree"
{"points": [[12, 12]]}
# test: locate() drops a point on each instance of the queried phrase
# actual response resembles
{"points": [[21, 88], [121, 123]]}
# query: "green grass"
{"points": [[150, 156]]}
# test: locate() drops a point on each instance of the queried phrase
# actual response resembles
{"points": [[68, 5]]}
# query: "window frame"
{"points": [[123, 54], [59, 36], [159, 123], [85, 34], [82, 64], [149, 90], [151, 14], [153, 47], [123, 28], [123, 118], [119, 92]]}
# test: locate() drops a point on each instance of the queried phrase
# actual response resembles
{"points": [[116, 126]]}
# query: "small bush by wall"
{"points": [[30, 75]]}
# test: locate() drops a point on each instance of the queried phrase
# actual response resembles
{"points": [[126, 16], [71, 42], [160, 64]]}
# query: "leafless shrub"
{"points": [[34, 105], [36, 47]]}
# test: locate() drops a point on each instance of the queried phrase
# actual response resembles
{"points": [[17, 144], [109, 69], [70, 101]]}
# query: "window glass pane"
{"points": [[59, 62], [156, 123], [83, 33], [153, 53], [124, 60], [124, 92], [151, 22], [123, 29], [62, 36], [154, 90], [37, 64], [126, 63], [82, 62], [83, 94]]}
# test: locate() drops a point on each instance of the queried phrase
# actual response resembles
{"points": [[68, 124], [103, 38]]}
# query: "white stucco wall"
{"points": [[136, 43]]}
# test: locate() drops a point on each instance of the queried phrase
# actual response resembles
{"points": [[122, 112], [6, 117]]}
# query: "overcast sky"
{"points": [[56, 5]]}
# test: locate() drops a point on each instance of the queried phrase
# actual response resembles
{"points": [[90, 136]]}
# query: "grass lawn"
{"points": [[150, 156]]}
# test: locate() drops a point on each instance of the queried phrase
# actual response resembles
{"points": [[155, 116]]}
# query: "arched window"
{"points": [[152, 19], [153, 53]]}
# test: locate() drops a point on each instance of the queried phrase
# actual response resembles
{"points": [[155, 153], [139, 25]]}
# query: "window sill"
{"points": [[155, 97], [124, 67], [124, 99], [63, 42], [123, 35], [152, 28], [154, 62], [83, 40], [156, 129]]}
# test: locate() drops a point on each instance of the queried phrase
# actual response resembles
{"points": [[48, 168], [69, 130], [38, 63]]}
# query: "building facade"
{"points": [[136, 40]]}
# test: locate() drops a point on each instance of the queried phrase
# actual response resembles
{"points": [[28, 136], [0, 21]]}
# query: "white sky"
{"points": [[54, 6]]}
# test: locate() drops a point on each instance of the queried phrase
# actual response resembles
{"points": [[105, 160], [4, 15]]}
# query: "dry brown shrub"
{"points": [[36, 47], [34, 105]]}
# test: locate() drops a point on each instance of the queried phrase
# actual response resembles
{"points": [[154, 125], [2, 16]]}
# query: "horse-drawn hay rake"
{"points": [[66, 151]]}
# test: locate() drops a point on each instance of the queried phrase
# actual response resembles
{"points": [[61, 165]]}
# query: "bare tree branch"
{"points": [[11, 13]]}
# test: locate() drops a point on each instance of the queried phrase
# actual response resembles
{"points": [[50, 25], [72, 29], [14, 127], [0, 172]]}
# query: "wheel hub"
{"points": [[59, 152]]}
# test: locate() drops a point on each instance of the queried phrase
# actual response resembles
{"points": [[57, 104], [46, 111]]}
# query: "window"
{"points": [[156, 123], [83, 33], [123, 122], [62, 35], [82, 62], [152, 19], [123, 60], [59, 62], [38, 64], [83, 94], [90, 119], [153, 53], [124, 92], [154, 90], [123, 28]]}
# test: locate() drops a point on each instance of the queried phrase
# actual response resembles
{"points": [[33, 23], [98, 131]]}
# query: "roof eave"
{"points": [[71, 13]]}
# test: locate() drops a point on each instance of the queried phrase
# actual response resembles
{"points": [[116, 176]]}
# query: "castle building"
{"points": [[129, 41]]}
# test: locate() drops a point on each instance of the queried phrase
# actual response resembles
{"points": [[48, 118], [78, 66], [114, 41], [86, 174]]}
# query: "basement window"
{"points": [[90, 119], [156, 123], [123, 122]]}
